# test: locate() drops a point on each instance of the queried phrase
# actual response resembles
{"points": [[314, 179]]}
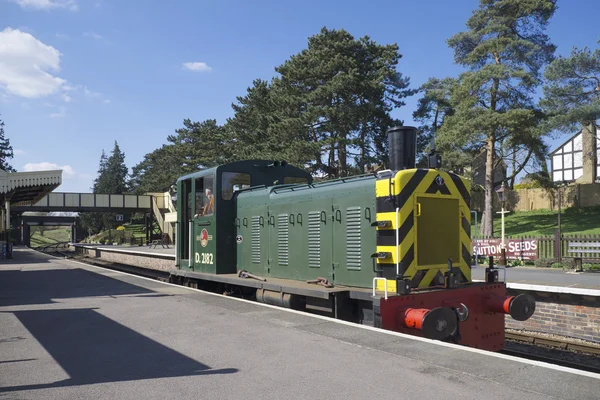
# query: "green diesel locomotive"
{"points": [[367, 248]]}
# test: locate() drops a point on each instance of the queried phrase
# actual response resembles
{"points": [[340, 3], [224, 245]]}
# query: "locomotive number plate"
{"points": [[204, 258]]}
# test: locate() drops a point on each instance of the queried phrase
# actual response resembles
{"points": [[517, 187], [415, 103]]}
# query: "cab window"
{"points": [[232, 182], [205, 202], [294, 179]]}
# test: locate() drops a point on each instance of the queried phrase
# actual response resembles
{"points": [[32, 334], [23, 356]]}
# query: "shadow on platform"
{"points": [[41, 286], [92, 348]]}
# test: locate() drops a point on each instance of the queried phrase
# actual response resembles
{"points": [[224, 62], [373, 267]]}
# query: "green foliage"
{"points": [[328, 111], [590, 267], [504, 49], [557, 265], [544, 222], [544, 262], [158, 171], [431, 112], [112, 179], [338, 94], [266, 126], [6, 151], [572, 92], [44, 235]]}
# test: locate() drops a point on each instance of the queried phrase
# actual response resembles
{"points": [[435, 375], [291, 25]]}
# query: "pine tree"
{"points": [[432, 110], [6, 151], [572, 98], [341, 91], [504, 49], [113, 180], [93, 222]]}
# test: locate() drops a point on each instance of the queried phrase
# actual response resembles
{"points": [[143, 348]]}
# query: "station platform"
{"points": [[518, 278], [69, 331]]}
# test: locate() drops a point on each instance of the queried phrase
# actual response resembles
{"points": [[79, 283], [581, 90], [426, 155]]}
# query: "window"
{"points": [[567, 160], [294, 179], [204, 196], [232, 182], [557, 162]]}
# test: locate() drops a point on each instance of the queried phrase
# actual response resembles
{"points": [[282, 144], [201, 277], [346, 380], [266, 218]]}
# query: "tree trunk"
{"points": [[487, 224], [588, 136], [342, 155], [514, 168]]}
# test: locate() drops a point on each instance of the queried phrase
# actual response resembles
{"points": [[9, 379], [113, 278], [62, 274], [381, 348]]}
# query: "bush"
{"points": [[557, 265], [543, 262], [591, 267], [121, 228]]}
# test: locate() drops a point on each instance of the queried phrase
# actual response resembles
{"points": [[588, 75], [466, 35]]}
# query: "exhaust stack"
{"points": [[402, 147]]}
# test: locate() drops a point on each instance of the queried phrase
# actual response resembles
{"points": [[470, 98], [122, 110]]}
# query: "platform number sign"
{"points": [[119, 217]]}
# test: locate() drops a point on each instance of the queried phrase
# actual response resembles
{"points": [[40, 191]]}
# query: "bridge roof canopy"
{"points": [[27, 188]]}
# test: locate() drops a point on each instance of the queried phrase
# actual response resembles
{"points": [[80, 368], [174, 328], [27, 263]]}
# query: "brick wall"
{"points": [[568, 315]]}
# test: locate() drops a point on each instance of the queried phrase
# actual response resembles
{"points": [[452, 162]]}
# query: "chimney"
{"points": [[402, 147]]}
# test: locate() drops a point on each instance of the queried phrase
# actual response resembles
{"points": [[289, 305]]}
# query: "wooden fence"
{"points": [[558, 248]]}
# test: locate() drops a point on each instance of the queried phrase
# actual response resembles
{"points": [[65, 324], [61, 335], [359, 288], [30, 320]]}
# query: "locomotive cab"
{"points": [[205, 212]]}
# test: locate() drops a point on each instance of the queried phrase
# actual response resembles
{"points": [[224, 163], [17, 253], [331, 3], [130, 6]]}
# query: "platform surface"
{"points": [[546, 276], [72, 331], [518, 275]]}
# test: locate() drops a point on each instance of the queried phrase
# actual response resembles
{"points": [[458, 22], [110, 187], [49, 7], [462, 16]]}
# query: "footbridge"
{"points": [[157, 206]]}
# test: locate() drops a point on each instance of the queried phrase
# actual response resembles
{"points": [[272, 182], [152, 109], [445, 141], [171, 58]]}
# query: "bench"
{"points": [[581, 248], [162, 241]]}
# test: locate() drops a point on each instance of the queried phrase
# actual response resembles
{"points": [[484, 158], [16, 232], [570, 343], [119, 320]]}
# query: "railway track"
{"points": [[558, 351], [563, 344], [532, 347]]}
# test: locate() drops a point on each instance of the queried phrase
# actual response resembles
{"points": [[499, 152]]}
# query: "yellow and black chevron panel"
{"points": [[423, 219]]}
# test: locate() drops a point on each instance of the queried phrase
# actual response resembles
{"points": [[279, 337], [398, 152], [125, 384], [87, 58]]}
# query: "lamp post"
{"points": [[502, 197]]}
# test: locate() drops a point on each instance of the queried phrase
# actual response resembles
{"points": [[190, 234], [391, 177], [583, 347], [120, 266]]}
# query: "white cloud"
{"points": [[90, 93], [68, 171], [93, 35], [197, 66], [18, 152], [60, 114], [47, 4], [66, 98], [24, 65]]}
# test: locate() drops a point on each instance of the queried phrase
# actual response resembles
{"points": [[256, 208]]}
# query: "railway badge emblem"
{"points": [[239, 239], [439, 180], [204, 237]]}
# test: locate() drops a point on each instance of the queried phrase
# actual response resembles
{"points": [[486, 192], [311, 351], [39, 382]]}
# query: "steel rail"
{"points": [[563, 344]]}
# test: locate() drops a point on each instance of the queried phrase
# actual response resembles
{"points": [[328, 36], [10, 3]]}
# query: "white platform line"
{"points": [[370, 328], [550, 289]]}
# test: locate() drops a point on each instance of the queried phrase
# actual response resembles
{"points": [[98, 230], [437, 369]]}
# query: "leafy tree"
{"points": [[201, 145], [158, 171], [431, 112], [6, 150], [572, 94], [504, 49], [342, 91], [264, 126], [196, 146], [93, 222], [113, 180]]}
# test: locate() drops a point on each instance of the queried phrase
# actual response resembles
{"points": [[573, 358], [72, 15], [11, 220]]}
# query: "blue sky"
{"points": [[76, 75]]}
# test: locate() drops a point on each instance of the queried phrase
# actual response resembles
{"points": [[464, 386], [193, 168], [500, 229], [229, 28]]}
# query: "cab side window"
{"points": [[232, 182], [205, 202]]}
